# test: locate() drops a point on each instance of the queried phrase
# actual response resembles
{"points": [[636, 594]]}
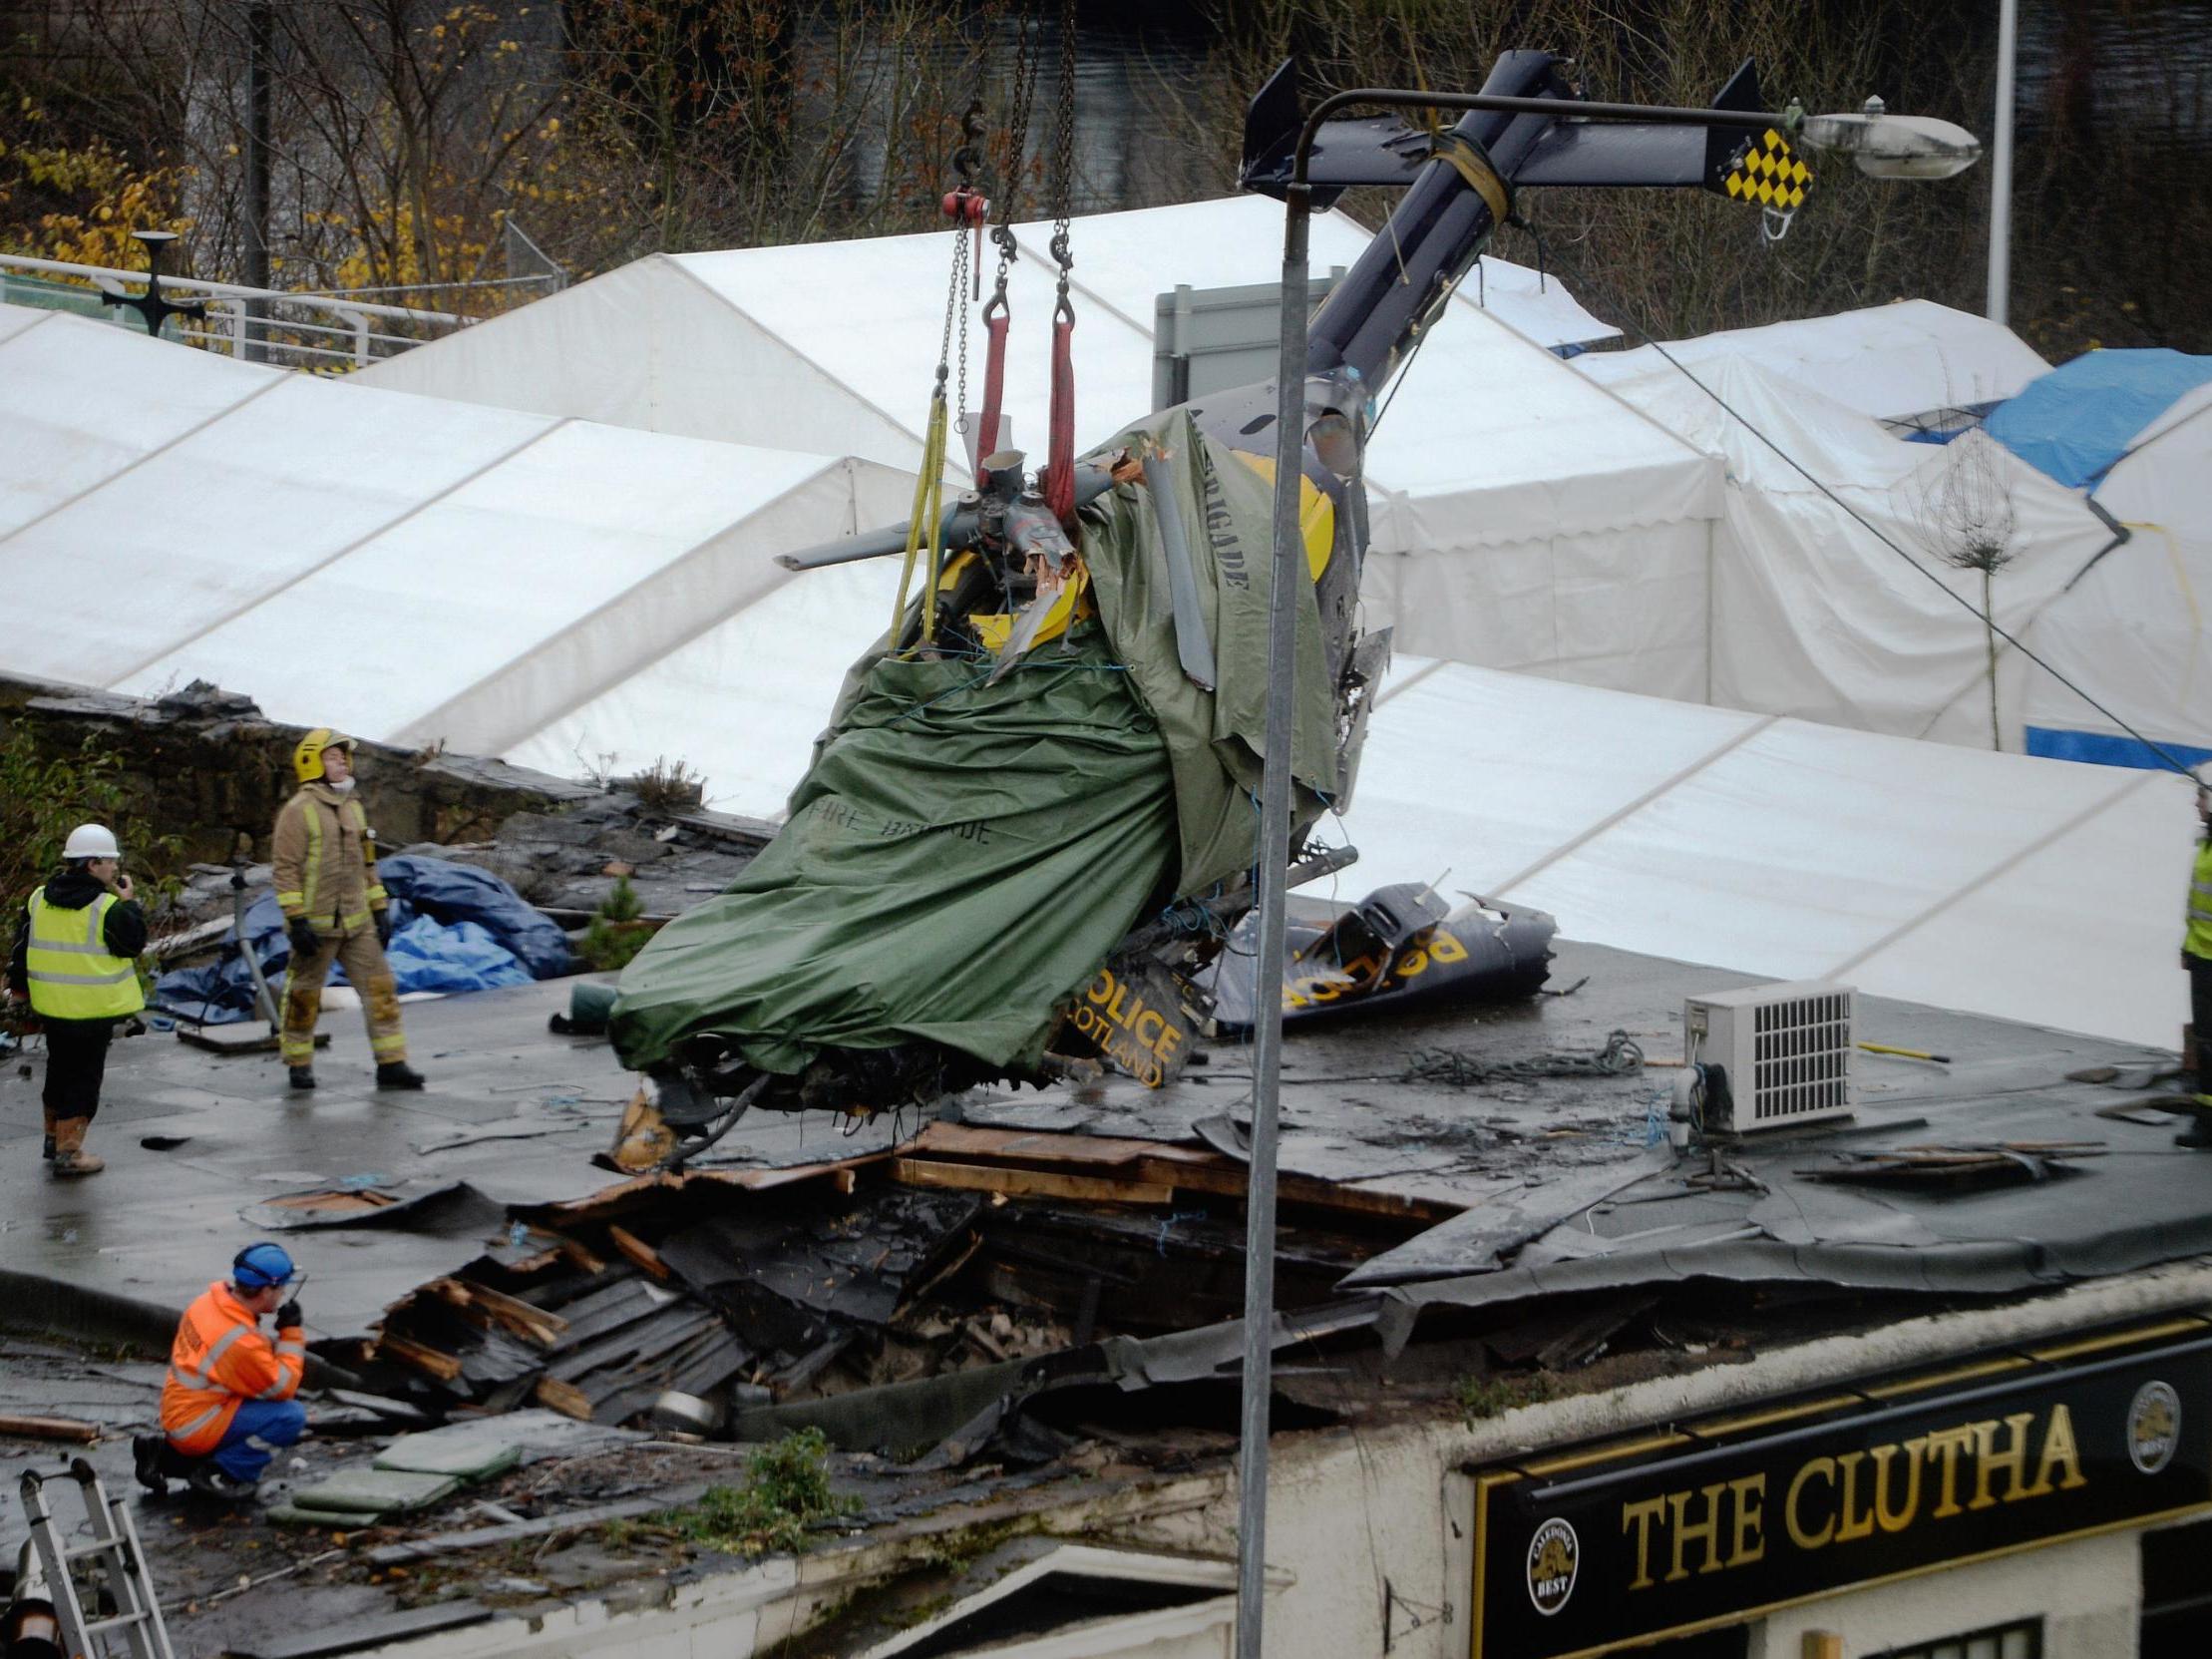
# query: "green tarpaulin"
{"points": [[961, 855]]}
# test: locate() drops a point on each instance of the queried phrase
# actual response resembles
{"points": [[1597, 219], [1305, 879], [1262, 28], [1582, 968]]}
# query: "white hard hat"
{"points": [[92, 841]]}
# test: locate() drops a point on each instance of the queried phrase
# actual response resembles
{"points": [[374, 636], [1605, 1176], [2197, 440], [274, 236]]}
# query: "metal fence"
{"points": [[330, 332]]}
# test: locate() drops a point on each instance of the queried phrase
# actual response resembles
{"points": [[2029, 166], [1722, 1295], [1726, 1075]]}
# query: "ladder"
{"points": [[136, 1621]]}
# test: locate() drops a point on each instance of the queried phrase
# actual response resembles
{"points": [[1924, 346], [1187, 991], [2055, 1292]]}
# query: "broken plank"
{"points": [[421, 1355], [509, 1313], [966, 1143], [485, 1537], [564, 1397], [48, 1428], [1228, 1178], [1028, 1183], [636, 1251]]}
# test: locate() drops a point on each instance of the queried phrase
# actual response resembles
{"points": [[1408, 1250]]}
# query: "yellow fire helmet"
{"points": [[307, 759]]}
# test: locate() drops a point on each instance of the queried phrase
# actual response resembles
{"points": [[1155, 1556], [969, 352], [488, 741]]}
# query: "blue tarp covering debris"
{"points": [[456, 928], [2079, 419]]}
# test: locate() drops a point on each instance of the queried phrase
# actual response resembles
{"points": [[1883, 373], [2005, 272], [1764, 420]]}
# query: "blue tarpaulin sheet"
{"points": [[2110, 748], [2079, 419], [433, 955], [456, 928]]}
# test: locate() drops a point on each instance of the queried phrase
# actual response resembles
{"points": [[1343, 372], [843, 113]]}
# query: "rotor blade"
{"points": [[1193, 648], [1024, 635], [954, 532]]}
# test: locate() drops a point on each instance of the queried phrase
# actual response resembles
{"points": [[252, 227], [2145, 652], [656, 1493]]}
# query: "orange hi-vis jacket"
{"points": [[219, 1361]]}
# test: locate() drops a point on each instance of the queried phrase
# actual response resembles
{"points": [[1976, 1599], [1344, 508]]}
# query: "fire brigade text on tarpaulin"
{"points": [[1693, 1528]]}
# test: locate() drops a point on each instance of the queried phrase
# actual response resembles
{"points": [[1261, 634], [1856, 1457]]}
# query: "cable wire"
{"points": [[2165, 756]]}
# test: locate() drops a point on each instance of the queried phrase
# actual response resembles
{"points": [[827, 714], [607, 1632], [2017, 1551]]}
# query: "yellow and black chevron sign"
{"points": [[1767, 171]]}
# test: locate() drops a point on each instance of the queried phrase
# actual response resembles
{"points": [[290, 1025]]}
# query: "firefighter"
{"points": [[337, 909], [2196, 957], [226, 1404], [74, 959]]}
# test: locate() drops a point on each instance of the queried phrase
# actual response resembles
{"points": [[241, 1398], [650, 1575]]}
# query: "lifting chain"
{"points": [[1018, 98], [1063, 160], [1058, 481], [956, 304]]}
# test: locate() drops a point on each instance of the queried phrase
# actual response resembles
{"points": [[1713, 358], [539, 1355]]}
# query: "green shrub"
{"points": [[787, 1485], [615, 931], [45, 796]]}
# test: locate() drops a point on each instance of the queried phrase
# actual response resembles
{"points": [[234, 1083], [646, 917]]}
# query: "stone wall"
{"points": [[207, 767]]}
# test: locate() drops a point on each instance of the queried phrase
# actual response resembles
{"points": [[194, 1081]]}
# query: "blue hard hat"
{"points": [[259, 1266]]}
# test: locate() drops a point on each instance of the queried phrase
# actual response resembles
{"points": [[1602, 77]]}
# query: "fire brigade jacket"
{"points": [[219, 1361], [74, 948], [2197, 940], [325, 860]]}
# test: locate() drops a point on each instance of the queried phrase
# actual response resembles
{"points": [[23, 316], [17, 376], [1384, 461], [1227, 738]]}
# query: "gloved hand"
{"points": [[288, 1316], [383, 928], [302, 935]]}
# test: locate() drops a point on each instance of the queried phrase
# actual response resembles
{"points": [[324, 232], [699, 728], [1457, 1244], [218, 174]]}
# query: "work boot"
{"points": [[302, 1077], [145, 1461], [398, 1074], [210, 1480], [70, 1156], [2197, 1136]]}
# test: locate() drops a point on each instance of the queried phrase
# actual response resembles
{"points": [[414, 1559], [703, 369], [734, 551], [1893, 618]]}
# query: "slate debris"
{"points": [[767, 1297]]}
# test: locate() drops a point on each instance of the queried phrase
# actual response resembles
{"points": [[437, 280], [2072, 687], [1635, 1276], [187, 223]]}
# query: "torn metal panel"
{"points": [[421, 1206], [1479, 1240], [2004, 1163], [858, 1263]]}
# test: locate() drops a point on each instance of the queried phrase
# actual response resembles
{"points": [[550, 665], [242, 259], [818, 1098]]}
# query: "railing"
{"points": [[269, 325]]}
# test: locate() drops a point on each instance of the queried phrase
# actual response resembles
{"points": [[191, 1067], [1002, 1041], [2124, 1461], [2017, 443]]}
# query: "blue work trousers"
{"points": [[261, 1428]]}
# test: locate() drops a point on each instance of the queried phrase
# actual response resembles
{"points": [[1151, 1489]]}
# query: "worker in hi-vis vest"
{"points": [[226, 1404], [325, 859], [2196, 957], [76, 962]]}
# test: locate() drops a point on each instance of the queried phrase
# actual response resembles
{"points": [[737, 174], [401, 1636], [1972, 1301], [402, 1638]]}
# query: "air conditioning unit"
{"points": [[1786, 1049]]}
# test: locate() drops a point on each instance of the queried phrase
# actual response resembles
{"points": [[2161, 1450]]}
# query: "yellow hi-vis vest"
{"points": [[2199, 940], [72, 975]]}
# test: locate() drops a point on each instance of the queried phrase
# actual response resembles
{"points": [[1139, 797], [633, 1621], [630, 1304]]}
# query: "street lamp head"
{"points": [[1889, 145]]}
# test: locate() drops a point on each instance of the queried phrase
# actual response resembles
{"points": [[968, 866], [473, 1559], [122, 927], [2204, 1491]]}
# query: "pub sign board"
{"points": [[1587, 1553]]}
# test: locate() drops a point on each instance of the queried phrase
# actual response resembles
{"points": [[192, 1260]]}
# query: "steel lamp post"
{"points": [[1879, 144]]}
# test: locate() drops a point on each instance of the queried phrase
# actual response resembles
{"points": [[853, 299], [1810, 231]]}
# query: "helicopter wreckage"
{"points": [[1025, 843]]}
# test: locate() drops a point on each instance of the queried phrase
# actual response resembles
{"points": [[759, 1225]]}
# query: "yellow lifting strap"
{"points": [[1473, 165], [922, 528]]}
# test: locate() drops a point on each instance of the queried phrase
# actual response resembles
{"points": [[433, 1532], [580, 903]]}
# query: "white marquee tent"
{"points": [[404, 568], [1889, 361], [1833, 598], [1604, 523], [2134, 627], [1523, 517], [555, 592], [2033, 889]]}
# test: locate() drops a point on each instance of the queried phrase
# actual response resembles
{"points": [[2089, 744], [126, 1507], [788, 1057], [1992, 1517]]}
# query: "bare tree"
{"points": [[1965, 517]]}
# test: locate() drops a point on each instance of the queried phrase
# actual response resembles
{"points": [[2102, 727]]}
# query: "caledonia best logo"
{"points": [[2153, 1427], [1555, 1554]]}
